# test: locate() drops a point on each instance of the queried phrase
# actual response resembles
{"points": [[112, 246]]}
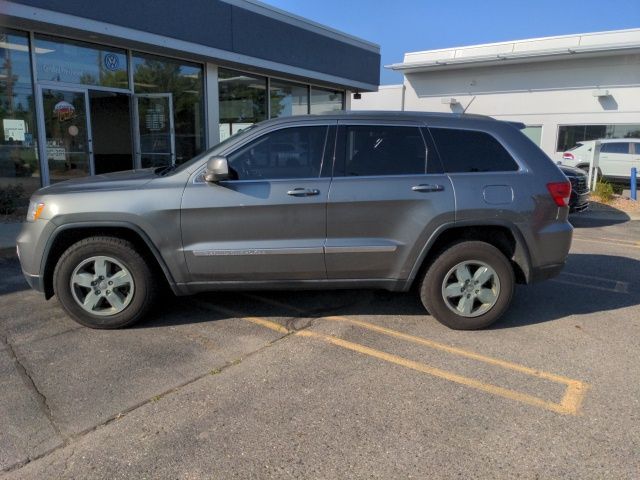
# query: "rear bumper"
{"points": [[539, 274]]}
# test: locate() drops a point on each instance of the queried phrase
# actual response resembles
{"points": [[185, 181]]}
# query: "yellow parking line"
{"points": [[456, 351], [570, 403], [620, 243], [619, 286], [435, 345]]}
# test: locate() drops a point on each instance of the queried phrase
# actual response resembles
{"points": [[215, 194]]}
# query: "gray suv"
{"points": [[461, 206]]}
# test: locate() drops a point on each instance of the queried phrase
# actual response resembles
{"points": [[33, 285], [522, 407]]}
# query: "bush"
{"points": [[604, 190], [10, 198]]}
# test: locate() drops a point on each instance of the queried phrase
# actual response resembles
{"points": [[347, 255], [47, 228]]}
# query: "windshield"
{"points": [[577, 145], [215, 149]]}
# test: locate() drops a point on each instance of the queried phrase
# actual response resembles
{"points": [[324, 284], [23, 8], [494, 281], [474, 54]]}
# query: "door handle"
{"points": [[303, 192], [427, 188]]}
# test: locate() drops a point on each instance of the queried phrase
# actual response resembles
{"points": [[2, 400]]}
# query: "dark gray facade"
{"points": [[241, 29]]}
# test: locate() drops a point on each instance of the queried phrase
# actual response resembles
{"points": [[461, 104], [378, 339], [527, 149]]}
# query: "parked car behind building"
{"points": [[617, 157]]}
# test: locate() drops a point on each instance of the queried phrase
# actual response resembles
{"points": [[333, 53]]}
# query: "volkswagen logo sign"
{"points": [[111, 61]]}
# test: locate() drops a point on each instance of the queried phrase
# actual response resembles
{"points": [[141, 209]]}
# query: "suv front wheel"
{"points": [[469, 286], [103, 282]]}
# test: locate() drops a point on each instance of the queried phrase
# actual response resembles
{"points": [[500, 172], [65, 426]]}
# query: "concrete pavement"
{"points": [[347, 384]]}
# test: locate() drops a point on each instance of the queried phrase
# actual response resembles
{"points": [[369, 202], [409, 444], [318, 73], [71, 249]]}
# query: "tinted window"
{"points": [[471, 151], [286, 153], [382, 150], [617, 147], [569, 135]]}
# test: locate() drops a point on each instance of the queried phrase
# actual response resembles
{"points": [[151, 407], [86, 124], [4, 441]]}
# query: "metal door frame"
{"points": [[42, 134], [136, 121]]}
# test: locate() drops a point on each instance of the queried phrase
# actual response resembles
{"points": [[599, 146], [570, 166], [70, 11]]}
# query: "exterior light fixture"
{"points": [[600, 93]]}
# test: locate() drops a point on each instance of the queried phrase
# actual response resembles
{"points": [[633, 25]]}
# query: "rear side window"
{"points": [[471, 151], [383, 150], [615, 147]]}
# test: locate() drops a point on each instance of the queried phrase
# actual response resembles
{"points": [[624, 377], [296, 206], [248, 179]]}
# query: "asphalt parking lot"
{"points": [[347, 384]]}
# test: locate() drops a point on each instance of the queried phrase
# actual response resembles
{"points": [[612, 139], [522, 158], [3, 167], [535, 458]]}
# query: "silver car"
{"points": [[461, 206]]}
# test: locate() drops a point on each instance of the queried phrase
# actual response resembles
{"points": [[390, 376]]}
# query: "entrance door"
{"points": [[154, 128], [65, 136], [110, 131]]}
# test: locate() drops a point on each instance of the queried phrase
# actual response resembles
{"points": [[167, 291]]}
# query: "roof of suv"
{"points": [[381, 115]]}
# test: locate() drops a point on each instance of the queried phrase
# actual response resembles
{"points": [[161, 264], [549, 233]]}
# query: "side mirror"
{"points": [[217, 169]]}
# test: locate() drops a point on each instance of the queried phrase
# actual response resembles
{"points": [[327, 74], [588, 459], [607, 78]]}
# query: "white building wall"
{"points": [[388, 97], [546, 93]]}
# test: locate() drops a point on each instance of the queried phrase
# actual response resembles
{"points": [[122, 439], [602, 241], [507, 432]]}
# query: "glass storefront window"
{"points": [[68, 61], [570, 135], [326, 101], [66, 132], [288, 99], [19, 167], [181, 83], [242, 100]]}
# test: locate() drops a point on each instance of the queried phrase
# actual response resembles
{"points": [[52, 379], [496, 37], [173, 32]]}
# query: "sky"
{"points": [[400, 26]]}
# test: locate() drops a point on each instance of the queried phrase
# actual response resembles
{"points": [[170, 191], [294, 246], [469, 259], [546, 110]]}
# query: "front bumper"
{"points": [[31, 245], [34, 281]]}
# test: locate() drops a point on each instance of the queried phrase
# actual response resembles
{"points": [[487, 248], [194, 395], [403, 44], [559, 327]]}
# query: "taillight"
{"points": [[568, 156], [560, 191]]}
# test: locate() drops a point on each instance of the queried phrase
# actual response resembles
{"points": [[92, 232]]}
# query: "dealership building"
{"points": [[565, 89], [94, 87]]}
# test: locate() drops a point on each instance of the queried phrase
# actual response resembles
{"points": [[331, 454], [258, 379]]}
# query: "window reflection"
{"points": [[69, 61], [243, 101], [288, 99], [326, 101], [184, 81], [18, 160]]}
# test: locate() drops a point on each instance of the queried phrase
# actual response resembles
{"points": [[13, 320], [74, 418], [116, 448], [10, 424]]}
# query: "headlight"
{"points": [[35, 210]]}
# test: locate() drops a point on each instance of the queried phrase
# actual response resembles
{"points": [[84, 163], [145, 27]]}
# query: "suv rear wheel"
{"points": [[103, 282], [469, 286]]}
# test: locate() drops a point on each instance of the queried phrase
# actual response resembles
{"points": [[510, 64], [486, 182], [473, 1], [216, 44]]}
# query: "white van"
{"points": [[617, 156]]}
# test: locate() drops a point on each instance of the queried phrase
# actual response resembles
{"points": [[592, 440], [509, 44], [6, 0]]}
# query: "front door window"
{"points": [[67, 144], [156, 139]]}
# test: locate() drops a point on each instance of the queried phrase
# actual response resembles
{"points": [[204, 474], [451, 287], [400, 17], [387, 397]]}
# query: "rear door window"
{"points": [[463, 151], [374, 150]]}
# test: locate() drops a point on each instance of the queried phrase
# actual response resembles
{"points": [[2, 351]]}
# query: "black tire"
{"points": [[431, 289], [144, 293]]}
